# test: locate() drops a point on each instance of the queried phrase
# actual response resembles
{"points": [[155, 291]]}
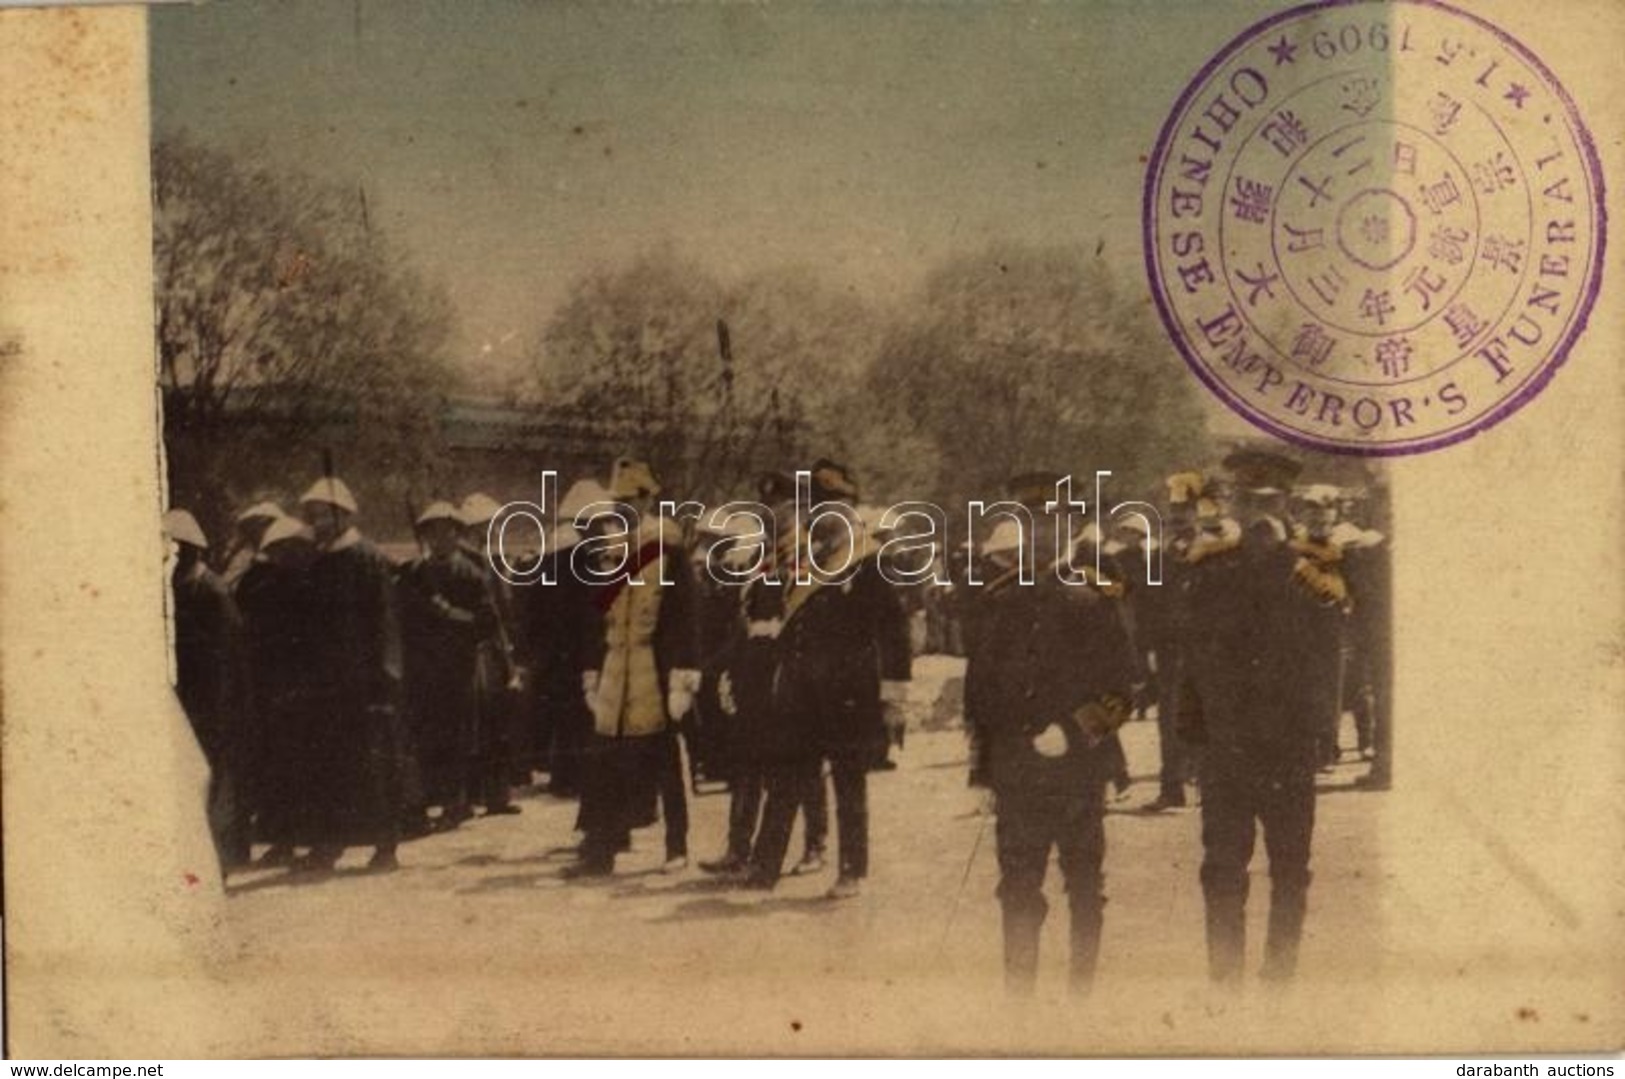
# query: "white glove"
{"points": [[725, 693], [589, 687], [680, 693], [1050, 742]]}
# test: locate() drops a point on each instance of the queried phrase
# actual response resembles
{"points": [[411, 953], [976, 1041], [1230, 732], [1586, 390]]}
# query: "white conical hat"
{"points": [[478, 509], [438, 511], [182, 527], [331, 491], [284, 529], [1006, 537], [261, 511]]}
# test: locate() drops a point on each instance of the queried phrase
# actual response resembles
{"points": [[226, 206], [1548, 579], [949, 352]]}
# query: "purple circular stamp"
{"points": [[1374, 228]]}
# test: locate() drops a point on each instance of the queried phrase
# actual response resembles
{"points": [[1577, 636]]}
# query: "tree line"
{"points": [[289, 325]]}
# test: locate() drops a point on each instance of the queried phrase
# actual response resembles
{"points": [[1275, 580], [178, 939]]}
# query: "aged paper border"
{"points": [[1503, 919]]}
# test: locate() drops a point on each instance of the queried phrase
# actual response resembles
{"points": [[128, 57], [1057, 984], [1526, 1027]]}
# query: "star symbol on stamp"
{"points": [[1517, 95], [1283, 51]]}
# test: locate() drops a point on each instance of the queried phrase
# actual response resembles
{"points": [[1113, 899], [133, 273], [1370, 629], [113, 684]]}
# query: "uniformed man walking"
{"points": [[1256, 624], [1048, 684], [843, 657]]}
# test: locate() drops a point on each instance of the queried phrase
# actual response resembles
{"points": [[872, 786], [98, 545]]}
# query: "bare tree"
{"points": [[286, 323], [1021, 358], [717, 381]]}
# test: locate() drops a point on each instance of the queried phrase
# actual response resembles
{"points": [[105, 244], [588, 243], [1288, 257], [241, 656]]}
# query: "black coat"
{"points": [[446, 612], [209, 671], [1255, 642], [359, 736], [561, 629], [837, 645], [276, 605], [751, 662], [1042, 652]]}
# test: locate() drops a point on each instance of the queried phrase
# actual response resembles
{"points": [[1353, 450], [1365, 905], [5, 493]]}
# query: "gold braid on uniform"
{"points": [[1317, 573], [1322, 551], [1110, 589]]}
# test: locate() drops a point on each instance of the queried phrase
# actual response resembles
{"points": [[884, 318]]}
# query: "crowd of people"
{"points": [[346, 700]]}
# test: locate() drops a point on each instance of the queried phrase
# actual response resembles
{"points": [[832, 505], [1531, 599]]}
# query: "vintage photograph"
{"points": [[850, 530], [412, 259]]}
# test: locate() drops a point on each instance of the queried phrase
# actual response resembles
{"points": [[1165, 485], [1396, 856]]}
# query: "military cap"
{"points": [[330, 491], [1318, 494], [582, 493], [1034, 489], [631, 478], [261, 511], [182, 527], [833, 482], [285, 529], [438, 511], [1261, 471], [478, 509]]}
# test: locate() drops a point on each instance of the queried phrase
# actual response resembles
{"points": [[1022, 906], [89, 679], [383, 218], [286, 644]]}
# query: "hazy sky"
{"points": [[511, 145]]}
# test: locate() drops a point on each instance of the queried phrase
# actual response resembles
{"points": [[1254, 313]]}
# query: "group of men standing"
{"points": [[1250, 640], [815, 652], [338, 696], [346, 701]]}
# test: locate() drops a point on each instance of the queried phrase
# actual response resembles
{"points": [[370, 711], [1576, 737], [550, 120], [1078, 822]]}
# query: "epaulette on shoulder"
{"points": [[1324, 583], [1324, 552], [1210, 545]]}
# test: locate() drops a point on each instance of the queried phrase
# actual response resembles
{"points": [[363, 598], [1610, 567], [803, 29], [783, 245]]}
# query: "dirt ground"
{"points": [[478, 945]]}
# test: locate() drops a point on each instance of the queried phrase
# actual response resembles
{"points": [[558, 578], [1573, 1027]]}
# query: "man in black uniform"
{"points": [[210, 681], [843, 656], [274, 597], [1159, 622], [1256, 625], [359, 741], [1049, 683], [1320, 558], [499, 680], [560, 625], [446, 614]]}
